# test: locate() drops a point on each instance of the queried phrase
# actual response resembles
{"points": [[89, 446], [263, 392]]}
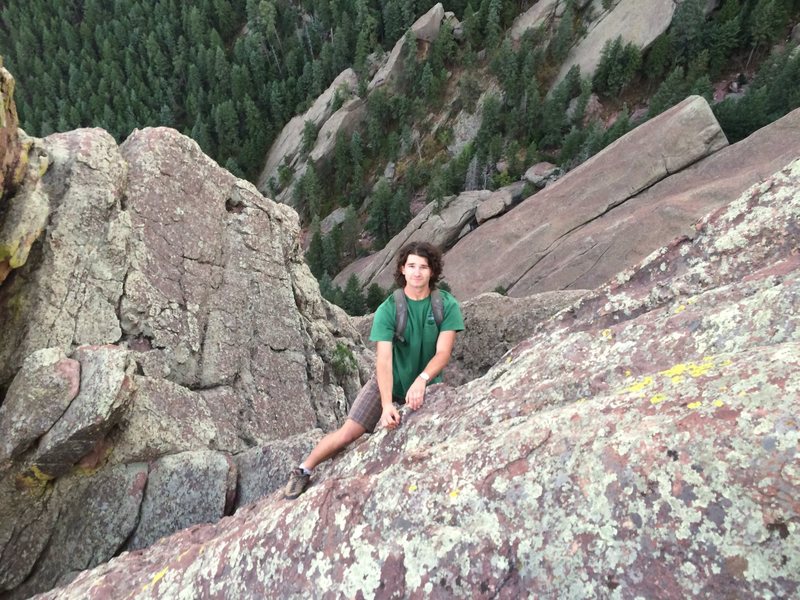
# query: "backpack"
{"points": [[401, 311]]}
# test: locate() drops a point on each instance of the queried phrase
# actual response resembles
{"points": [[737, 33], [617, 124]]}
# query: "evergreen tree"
{"points": [[353, 298], [380, 218], [375, 297], [314, 255], [669, 93]]}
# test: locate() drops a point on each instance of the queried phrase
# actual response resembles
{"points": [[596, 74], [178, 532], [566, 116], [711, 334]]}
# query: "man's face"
{"points": [[416, 271]]}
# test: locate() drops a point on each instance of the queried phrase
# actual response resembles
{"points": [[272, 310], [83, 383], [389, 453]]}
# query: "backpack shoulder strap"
{"points": [[437, 306], [401, 314]]}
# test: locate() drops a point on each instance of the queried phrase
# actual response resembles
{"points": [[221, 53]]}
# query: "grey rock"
{"points": [[499, 202], [333, 220], [286, 147], [74, 542], [343, 121], [426, 28], [536, 15], [637, 22], [440, 227], [38, 396], [542, 173], [105, 391], [264, 470], [182, 490]]}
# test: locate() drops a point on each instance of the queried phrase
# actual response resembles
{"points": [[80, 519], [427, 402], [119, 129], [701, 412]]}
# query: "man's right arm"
{"points": [[390, 417]]}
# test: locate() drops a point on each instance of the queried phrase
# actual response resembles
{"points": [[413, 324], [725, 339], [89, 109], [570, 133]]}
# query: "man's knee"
{"points": [[350, 432]]}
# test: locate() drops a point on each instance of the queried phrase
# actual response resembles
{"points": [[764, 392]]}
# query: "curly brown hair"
{"points": [[427, 251]]}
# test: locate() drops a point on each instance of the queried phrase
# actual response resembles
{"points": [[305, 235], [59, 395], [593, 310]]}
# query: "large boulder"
{"points": [[440, 224], [504, 250], [636, 22], [165, 310], [343, 121], [641, 444]]}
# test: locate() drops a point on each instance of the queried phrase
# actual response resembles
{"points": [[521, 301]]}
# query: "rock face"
{"points": [[424, 30], [637, 22], [10, 147], [651, 430], [286, 147], [536, 15], [543, 253], [163, 322], [438, 225]]}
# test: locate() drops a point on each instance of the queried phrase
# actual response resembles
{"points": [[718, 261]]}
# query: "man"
{"points": [[404, 367]]}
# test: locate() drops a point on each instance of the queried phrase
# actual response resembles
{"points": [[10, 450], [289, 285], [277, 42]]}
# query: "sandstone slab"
{"points": [[636, 22], [505, 250], [499, 202]]}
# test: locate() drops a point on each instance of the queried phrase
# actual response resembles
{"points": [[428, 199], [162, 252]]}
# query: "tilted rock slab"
{"points": [[636, 22], [642, 444], [286, 147], [441, 226], [504, 250], [537, 15], [628, 232], [10, 146]]}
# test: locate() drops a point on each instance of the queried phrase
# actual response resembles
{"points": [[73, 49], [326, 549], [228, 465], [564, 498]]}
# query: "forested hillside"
{"points": [[230, 74]]}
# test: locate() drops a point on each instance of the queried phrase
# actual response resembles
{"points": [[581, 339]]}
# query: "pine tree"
{"points": [[379, 222], [375, 297], [353, 298]]}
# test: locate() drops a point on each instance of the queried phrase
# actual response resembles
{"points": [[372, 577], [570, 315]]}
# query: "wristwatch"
{"points": [[424, 376]]}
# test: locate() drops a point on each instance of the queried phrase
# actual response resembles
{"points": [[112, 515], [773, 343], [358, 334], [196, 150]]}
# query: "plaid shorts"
{"points": [[366, 409]]}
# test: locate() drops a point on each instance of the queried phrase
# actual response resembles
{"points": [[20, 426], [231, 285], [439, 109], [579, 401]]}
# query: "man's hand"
{"points": [[390, 417], [416, 394]]}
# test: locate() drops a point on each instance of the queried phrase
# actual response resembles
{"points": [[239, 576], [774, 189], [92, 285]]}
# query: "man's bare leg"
{"points": [[333, 442]]}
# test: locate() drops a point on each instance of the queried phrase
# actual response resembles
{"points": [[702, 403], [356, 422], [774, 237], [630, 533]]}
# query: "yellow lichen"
{"points": [[639, 385], [455, 493], [658, 398], [680, 308], [719, 403], [694, 405], [412, 487], [606, 334]]}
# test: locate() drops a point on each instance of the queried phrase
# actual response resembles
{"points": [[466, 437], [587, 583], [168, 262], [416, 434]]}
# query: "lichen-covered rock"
{"points": [[105, 391], [203, 330], [183, 490], [36, 399], [263, 470], [70, 542], [10, 147], [641, 444], [499, 202]]}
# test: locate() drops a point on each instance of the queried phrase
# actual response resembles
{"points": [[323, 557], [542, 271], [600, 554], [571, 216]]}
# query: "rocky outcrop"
{"points": [[343, 121], [650, 430], [636, 22], [424, 30], [494, 324], [537, 15], [519, 245], [23, 209], [10, 147], [499, 202], [163, 323], [285, 150], [438, 225]]}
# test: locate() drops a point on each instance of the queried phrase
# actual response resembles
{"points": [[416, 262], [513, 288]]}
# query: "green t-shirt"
{"points": [[409, 358]]}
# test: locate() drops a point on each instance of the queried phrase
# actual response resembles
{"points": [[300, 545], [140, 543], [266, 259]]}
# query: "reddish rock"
{"points": [[644, 441]]}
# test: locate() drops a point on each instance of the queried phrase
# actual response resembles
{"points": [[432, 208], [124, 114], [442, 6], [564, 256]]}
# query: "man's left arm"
{"points": [[444, 347]]}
